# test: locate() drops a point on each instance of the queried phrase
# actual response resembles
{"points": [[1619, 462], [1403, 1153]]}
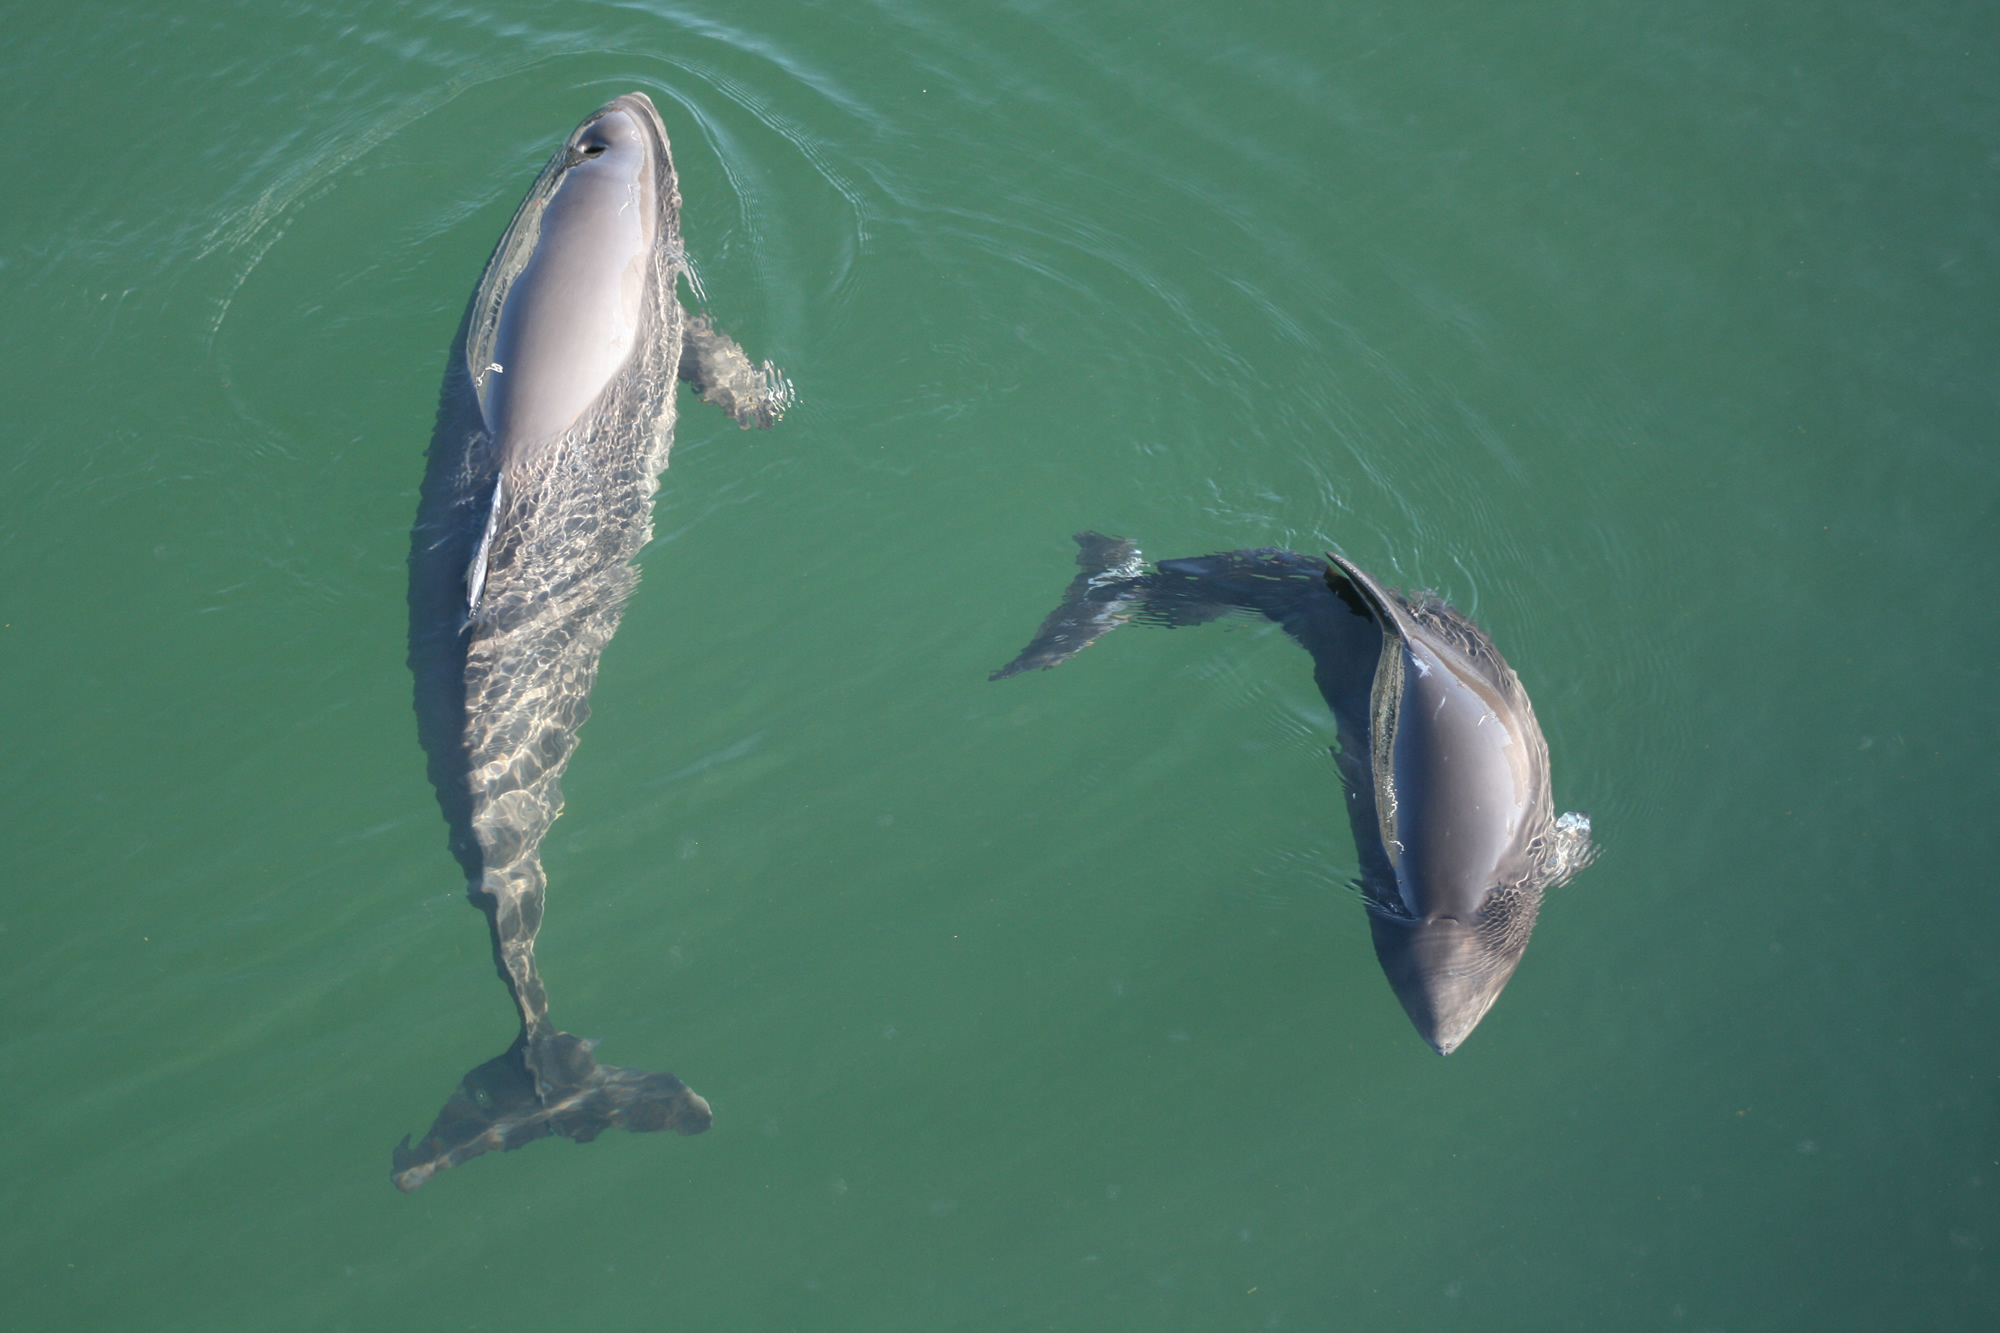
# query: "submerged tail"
{"points": [[1107, 589], [496, 1107], [1115, 586], [548, 1081]]}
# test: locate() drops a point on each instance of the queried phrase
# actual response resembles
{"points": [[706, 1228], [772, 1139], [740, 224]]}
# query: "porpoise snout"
{"points": [[1446, 973]]}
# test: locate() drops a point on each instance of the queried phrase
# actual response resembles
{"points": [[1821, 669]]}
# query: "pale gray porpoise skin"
{"points": [[1445, 769], [554, 423]]}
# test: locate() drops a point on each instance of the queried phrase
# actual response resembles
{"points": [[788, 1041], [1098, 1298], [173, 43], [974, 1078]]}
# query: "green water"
{"points": [[1661, 340]]}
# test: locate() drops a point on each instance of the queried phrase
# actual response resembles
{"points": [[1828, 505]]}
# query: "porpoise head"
{"points": [[1460, 777], [572, 316], [1448, 972]]}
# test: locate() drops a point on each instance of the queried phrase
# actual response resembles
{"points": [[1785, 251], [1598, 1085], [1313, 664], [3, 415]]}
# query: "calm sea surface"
{"points": [[1661, 340]]}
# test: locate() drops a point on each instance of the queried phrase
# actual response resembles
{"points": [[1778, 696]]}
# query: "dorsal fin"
{"points": [[1385, 699], [1388, 612], [475, 573]]}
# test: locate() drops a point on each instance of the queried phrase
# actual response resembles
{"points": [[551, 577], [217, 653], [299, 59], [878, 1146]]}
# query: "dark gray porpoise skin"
{"points": [[1444, 765], [554, 422]]}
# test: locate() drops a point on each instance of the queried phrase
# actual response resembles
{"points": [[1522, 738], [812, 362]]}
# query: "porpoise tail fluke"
{"points": [[500, 1105], [1099, 599]]}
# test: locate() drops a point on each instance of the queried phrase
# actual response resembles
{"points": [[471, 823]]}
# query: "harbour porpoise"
{"points": [[1445, 769], [554, 423]]}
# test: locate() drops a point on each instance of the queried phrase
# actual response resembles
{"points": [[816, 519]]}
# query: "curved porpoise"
{"points": [[1444, 765], [554, 422]]}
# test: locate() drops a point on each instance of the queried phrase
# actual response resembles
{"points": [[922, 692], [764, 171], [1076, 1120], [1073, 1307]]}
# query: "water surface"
{"points": [[1660, 339]]}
